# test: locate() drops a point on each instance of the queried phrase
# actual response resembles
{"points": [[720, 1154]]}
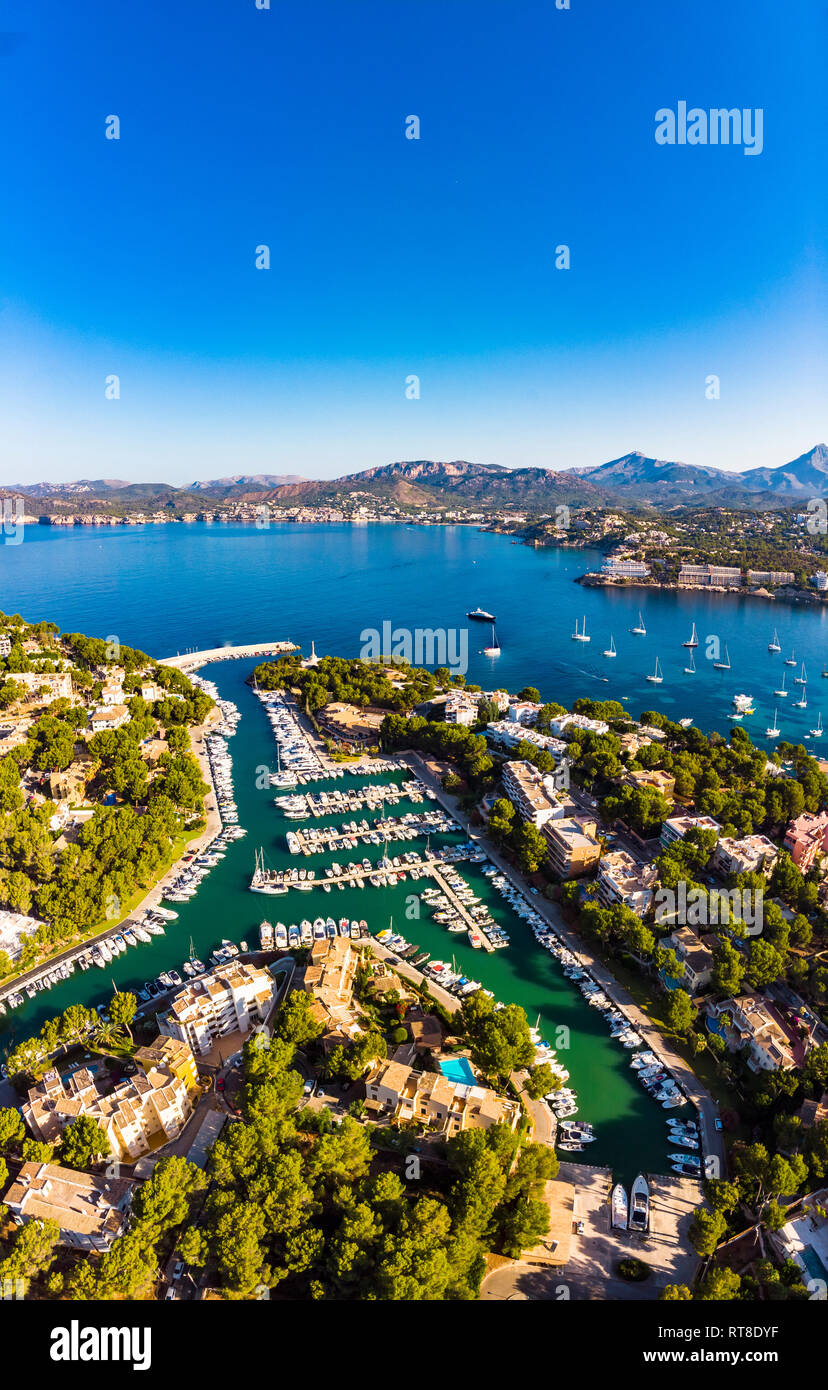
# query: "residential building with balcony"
{"points": [[507, 733], [232, 998], [678, 826], [573, 845], [90, 1210], [694, 957], [625, 569], [533, 795], [622, 880], [524, 711], [806, 839], [770, 577], [710, 576], [141, 1113], [663, 782], [396, 1090], [329, 979], [752, 854], [753, 1025], [570, 724], [111, 717]]}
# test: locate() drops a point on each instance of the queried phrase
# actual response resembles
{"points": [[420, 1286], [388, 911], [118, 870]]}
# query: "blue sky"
{"points": [[392, 257]]}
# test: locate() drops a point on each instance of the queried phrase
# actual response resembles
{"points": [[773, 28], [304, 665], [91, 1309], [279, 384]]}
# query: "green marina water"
{"points": [[630, 1126]]}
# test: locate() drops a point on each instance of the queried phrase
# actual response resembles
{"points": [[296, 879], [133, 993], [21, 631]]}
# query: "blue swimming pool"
{"points": [[813, 1263], [458, 1069]]}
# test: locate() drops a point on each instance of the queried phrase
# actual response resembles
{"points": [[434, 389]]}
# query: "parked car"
{"points": [[308, 1088], [580, 1228]]}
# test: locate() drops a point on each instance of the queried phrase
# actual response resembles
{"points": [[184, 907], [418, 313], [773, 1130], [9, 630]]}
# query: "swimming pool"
{"points": [[458, 1069], [813, 1263]]}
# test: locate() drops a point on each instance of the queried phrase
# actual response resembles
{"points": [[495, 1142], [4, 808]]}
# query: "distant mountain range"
{"points": [[633, 480]]}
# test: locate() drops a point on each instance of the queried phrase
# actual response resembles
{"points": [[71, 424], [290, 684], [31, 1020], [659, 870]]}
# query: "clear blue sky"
{"points": [[393, 257]]}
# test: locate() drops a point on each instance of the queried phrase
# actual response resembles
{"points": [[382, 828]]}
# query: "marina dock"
{"points": [[460, 908]]}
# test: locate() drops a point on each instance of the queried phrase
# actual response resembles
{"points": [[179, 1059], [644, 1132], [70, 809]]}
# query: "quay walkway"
{"points": [[190, 661]]}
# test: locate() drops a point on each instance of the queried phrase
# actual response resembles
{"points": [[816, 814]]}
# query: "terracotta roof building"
{"points": [[141, 1113], [90, 1210]]}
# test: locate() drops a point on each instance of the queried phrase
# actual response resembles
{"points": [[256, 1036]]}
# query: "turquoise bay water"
{"points": [[630, 1126], [169, 588]]}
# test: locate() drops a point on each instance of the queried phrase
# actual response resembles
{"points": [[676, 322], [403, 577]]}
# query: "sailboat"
{"points": [[611, 648], [580, 636], [657, 676], [773, 731], [723, 665], [493, 649], [783, 692], [691, 669], [817, 732], [693, 640], [801, 678], [641, 630], [774, 645], [791, 660], [803, 703]]}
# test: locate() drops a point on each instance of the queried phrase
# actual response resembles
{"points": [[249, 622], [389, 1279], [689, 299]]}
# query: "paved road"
{"points": [[712, 1141]]}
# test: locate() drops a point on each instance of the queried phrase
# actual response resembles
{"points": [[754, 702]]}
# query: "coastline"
{"points": [[592, 580]]}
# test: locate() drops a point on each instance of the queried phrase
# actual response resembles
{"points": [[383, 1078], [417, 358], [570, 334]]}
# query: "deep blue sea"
{"points": [[167, 588]]}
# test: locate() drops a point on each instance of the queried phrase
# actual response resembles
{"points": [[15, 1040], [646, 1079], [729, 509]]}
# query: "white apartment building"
{"points": [[58, 684], [112, 717], [678, 826], [625, 569], [753, 854], [533, 794], [460, 708], [230, 999], [112, 693], [710, 576], [508, 733], [571, 723], [770, 577], [524, 712]]}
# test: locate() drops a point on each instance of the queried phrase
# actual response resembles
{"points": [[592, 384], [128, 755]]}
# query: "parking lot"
{"points": [[590, 1272]]}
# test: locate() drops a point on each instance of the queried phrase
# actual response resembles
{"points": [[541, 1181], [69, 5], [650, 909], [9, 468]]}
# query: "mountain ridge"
{"points": [[634, 477]]}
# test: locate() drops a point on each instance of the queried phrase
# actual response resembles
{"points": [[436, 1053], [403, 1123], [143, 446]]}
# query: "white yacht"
{"points": [[657, 676], [774, 646], [620, 1207], [782, 693], [641, 630], [773, 731], [640, 1205], [611, 648], [580, 636]]}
